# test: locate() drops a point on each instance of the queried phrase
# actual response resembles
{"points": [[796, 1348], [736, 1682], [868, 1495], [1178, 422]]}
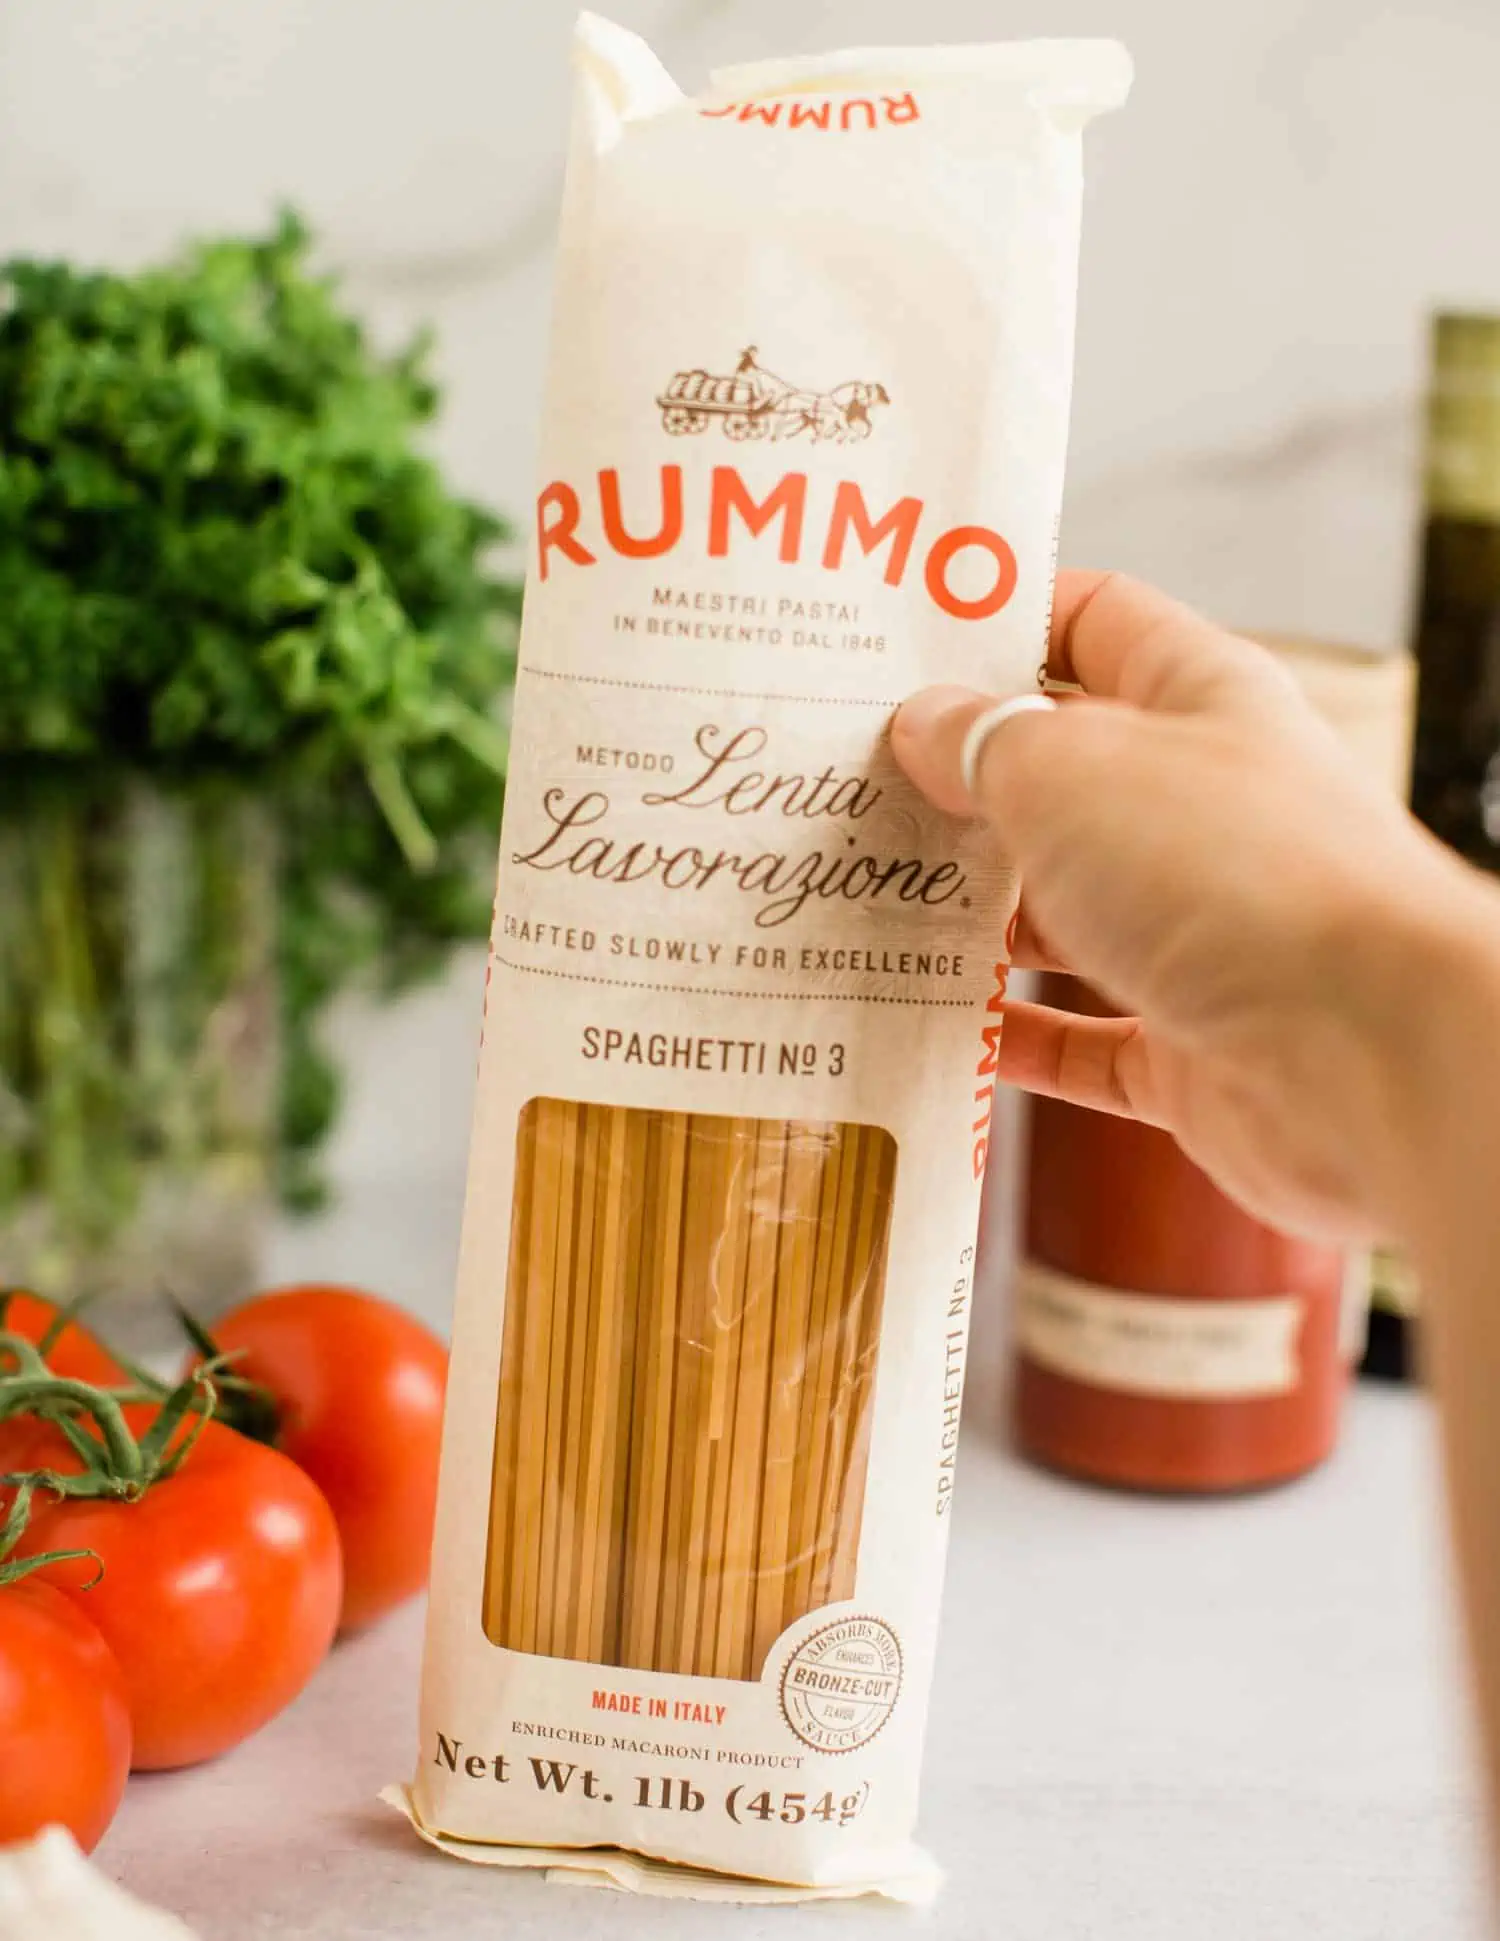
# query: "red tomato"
{"points": [[75, 1353], [221, 1587], [64, 1718], [358, 1386]]}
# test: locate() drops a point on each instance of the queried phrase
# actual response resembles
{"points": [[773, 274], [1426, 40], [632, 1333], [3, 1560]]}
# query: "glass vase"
{"points": [[138, 1015]]}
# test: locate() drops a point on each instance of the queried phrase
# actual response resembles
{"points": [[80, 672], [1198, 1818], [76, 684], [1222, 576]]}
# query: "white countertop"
{"points": [[1232, 1720], [1219, 1721]]}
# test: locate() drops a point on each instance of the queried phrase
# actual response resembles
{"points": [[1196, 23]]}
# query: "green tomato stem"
{"points": [[31, 1394]]}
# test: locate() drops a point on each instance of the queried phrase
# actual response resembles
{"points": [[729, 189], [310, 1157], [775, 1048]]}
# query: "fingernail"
{"points": [[925, 709], [984, 725]]}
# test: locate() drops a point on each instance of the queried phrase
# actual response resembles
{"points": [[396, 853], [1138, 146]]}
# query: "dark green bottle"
{"points": [[1456, 760], [1455, 786]]}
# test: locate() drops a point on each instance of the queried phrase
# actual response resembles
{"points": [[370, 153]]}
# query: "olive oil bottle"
{"points": [[1455, 785], [1456, 761]]}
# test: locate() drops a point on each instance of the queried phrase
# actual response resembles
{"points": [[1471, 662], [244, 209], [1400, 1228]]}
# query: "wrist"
{"points": [[1424, 1009]]}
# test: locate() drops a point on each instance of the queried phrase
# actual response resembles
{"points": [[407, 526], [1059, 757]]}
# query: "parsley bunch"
{"points": [[224, 555]]}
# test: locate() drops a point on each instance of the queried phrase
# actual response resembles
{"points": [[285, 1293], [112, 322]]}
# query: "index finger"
{"points": [[1121, 640]]}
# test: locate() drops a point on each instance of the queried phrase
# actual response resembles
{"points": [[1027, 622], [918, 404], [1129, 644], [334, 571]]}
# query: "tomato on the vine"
{"points": [[75, 1353], [356, 1390], [64, 1718], [220, 1587]]}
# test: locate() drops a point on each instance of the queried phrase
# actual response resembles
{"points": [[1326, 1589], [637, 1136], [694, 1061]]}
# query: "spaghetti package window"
{"points": [[801, 453], [692, 1320]]}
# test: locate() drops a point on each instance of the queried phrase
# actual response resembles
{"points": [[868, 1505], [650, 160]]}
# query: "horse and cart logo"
{"points": [[754, 403]]}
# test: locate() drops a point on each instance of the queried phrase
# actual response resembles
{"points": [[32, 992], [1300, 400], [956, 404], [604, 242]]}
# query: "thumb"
{"points": [[948, 741]]}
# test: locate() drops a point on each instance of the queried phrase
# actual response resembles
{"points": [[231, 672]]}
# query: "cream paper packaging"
{"points": [[802, 453]]}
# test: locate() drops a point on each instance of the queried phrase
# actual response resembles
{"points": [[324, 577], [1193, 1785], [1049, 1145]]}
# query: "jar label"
{"points": [[1150, 1344]]}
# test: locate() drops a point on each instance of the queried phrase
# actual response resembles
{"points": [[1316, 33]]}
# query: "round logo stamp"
{"points": [[840, 1685]]}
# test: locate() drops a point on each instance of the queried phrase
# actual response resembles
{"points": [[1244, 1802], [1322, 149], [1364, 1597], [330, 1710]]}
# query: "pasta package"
{"points": [[802, 452]]}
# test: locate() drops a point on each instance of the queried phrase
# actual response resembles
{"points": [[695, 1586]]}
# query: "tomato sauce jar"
{"points": [[1164, 1339]]}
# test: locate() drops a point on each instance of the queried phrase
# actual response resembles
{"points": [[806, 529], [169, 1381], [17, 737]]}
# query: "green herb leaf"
{"points": [[223, 548]]}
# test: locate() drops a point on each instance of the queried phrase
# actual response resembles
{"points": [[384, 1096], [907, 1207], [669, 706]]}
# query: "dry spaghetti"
{"points": [[692, 1324]]}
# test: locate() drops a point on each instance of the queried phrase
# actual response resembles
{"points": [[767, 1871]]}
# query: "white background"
{"points": [[1294, 183]]}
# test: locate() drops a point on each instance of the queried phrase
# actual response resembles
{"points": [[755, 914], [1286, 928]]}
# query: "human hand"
{"points": [[1194, 842]]}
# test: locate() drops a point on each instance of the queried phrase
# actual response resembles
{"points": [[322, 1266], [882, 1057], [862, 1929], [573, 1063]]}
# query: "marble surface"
{"points": [[1290, 189], [1292, 186], [1151, 1721]]}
